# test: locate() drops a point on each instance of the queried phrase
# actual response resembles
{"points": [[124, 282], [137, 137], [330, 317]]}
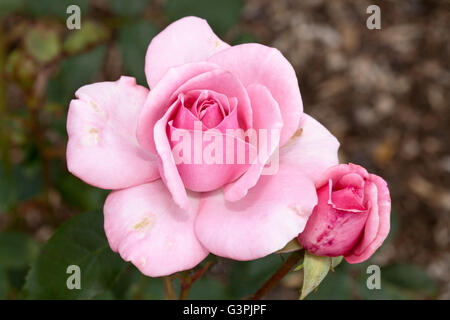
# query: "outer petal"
{"points": [[267, 116], [272, 214], [378, 223], [331, 232], [190, 39], [101, 124], [158, 100], [313, 149], [145, 226], [257, 64]]}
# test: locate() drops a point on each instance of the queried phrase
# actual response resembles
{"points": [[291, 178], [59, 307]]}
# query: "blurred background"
{"points": [[383, 93]]}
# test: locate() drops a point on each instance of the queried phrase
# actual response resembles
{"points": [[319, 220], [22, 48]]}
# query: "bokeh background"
{"points": [[383, 93]]}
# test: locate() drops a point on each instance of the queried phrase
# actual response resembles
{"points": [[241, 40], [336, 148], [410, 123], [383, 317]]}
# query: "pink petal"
{"points": [[257, 64], [190, 39], [211, 116], [339, 172], [266, 116], [209, 173], [231, 120], [272, 214], [347, 199], [313, 149], [226, 83], [331, 232], [378, 222], [102, 149], [351, 179], [145, 227], [167, 167], [158, 100]]}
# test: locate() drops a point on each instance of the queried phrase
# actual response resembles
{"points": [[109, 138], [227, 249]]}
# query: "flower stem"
{"points": [[169, 291], [186, 284], [284, 269]]}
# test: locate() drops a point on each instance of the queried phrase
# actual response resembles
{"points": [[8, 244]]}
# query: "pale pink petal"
{"points": [[167, 167], [313, 149], [213, 159], [190, 39], [377, 225], [158, 100], [272, 214], [226, 83], [101, 124], [145, 227], [254, 63], [267, 118]]}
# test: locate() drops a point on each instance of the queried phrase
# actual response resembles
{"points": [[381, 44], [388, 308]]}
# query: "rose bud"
{"points": [[352, 215]]}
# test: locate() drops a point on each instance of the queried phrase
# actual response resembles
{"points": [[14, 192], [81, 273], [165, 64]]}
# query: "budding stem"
{"points": [[284, 269]]}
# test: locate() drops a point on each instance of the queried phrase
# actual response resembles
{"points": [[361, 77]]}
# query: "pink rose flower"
{"points": [[165, 215], [352, 217]]}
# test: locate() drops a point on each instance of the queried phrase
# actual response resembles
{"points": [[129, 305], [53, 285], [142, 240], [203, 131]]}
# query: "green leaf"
{"points": [[43, 45], [133, 41], [79, 194], [247, 276], [399, 281], [4, 285], [208, 288], [17, 250], [221, 15], [315, 270], [244, 38], [8, 194], [127, 8], [9, 6], [335, 261], [74, 72], [80, 241], [53, 8], [336, 286], [291, 246]]}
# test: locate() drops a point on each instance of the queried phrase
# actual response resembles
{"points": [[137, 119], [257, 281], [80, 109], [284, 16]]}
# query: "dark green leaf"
{"points": [[9, 6], [399, 281], [75, 72], [208, 289], [133, 41], [244, 38], [247, 276], [4, 285], [79, 194], [221, 14], [336, 286], [54, 8], [80, 241], [16, 250], [8, 194], [127, 8]]}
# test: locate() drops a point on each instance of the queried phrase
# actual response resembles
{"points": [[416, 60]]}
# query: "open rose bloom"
{"points": [[168, 209]]}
